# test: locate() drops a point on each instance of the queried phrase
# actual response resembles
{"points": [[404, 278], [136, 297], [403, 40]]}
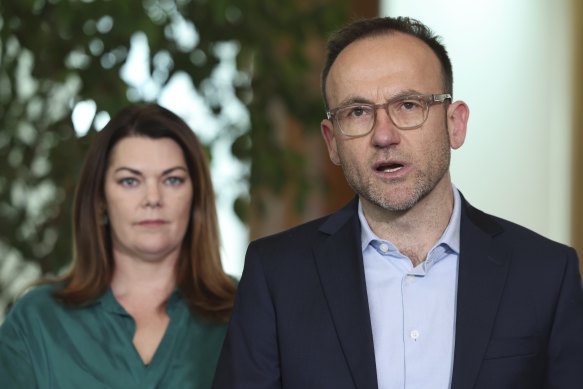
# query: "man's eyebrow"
{"points": [[352, 100], [405, 93]]}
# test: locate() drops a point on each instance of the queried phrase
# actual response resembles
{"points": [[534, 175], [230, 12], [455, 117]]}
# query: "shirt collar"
{"points": [[449, 238], [110, 303]]}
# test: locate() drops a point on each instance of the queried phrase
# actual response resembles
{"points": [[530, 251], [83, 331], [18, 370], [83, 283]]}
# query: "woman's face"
{"points": [[148, 195]]}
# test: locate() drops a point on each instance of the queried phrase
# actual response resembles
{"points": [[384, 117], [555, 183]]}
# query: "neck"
{"points": [[416, 230], [137, 279]]}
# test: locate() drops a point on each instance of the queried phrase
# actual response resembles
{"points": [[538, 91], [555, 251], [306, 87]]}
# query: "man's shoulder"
{"points": [[310, 232], [301, 234], [512, 232]]}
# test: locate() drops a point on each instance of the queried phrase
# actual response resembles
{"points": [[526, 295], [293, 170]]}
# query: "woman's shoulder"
{"points": [[35, 300], [43, 294]]}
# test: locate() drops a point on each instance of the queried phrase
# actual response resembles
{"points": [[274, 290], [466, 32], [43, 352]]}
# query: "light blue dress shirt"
{"points": [[412, 309]]}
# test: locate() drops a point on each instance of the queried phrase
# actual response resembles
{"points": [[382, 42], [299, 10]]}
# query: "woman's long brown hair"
{"points": [[200, 277]]}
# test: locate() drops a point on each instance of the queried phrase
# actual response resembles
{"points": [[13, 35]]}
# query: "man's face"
{"points": [[391, 168]]}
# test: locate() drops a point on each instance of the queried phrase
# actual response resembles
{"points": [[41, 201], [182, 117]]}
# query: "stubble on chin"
{"points": [[395, 197], [398, 195]]}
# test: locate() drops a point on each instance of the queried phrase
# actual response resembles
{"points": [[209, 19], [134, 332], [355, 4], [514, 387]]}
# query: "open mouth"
{"points": [[389, 167]]}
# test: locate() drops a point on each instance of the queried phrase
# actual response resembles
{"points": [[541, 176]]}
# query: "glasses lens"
{"points": [[355, 119], [409, 112]]}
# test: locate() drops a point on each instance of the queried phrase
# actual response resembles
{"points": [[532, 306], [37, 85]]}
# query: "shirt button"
{"points": [[414, 334], [384, 247]]}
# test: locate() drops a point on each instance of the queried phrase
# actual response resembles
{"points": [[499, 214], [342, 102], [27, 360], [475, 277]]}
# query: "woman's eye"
{"points": [[174, 181], [128, 181]]}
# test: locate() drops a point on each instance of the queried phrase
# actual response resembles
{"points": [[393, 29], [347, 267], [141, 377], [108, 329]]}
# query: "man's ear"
{"points": [[457, 123], [327, 130]]}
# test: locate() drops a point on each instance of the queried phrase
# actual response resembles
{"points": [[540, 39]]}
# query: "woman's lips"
{"points": [[151, 222]]}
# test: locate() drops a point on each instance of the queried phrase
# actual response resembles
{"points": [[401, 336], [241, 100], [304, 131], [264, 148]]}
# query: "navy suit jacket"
{"points": [[301, 317]]}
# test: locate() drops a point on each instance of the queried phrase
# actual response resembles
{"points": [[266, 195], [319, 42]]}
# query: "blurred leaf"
{"points": [[55, 53]]}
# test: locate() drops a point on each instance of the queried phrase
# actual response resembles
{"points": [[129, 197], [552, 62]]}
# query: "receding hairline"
{"points": [[376, 35], [369, 27]]}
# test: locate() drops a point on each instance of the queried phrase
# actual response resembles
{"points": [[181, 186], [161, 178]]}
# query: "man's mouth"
{"points": [[389, 167]]}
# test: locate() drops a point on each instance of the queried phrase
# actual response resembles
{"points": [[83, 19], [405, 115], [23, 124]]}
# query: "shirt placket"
{"points": [[413, 325]]}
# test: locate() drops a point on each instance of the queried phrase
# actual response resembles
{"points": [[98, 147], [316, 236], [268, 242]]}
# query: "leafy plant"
{"points": [[56, 53]]}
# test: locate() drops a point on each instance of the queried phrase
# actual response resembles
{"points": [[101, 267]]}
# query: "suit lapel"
{"points": [[483, 268], [340, 267]]}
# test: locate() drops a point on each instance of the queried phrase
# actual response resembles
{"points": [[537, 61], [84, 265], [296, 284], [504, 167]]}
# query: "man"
{"points": [[408, 286]]}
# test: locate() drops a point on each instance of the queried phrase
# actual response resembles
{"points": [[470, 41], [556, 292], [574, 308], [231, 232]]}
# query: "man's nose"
{"points": [[384, 132]]}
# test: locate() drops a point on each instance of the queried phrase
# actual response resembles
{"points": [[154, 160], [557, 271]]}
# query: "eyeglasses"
{"points": [[406, 113]]}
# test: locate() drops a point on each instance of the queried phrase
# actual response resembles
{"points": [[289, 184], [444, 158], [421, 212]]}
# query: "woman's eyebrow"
{"points": [[139, 173]]}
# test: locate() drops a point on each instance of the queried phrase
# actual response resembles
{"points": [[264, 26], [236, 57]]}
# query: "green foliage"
{"points": [[55, 53]]}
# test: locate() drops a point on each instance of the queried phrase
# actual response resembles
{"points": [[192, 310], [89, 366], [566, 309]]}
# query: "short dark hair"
{"points": [[364, 28], [200, 277]]}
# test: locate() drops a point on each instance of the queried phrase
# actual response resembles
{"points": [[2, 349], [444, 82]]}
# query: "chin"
{"points": [[156, 250], [398, 201], [398, 206]]}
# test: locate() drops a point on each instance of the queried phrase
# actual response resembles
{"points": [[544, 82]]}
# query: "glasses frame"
{"points": [[429, 101]]}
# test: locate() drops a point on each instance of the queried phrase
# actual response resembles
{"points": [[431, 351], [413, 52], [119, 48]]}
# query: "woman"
{"points": [[146, 302]]}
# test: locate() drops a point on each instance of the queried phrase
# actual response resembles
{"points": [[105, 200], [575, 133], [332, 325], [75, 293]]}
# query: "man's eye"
{"points": [[356, 112], [409, 105]]}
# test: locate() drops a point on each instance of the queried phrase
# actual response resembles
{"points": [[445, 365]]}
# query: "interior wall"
{"points": [[512, 65]]}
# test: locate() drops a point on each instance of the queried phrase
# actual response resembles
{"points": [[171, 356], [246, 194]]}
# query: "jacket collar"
{"points": [[483, 267], [339, 263]]}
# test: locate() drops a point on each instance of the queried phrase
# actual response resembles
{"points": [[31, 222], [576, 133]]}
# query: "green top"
{"points": [[44, 344]]}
